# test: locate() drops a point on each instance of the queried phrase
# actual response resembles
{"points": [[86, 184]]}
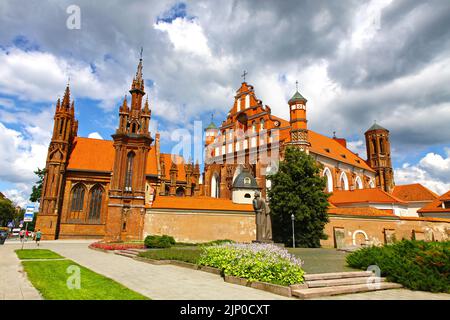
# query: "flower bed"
{"points": [[116, 245], [255, 262]]}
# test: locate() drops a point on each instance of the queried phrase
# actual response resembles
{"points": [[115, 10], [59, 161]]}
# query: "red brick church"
{"points": [[125, 188]]}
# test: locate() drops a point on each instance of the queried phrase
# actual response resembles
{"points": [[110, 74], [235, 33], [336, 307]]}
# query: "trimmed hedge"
{"points": [[163, 241], [417, 265]]}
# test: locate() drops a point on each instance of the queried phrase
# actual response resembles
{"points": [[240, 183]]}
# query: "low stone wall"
{"points": [[201, 226], [352, 230]]}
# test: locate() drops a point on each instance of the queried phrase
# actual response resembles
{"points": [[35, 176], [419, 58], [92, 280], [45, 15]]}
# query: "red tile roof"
{"points": [[198, 203], [414, 192], [436, 205], [330, 148], [374, 195], [363, 211], [91, 154], [98, 155]]}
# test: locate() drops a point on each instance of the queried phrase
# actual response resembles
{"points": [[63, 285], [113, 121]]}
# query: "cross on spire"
{"points": [[296, 85], [142, 49], [244, 74]]}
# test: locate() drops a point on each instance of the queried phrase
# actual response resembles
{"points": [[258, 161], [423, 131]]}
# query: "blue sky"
{"points": [[356, 62]]}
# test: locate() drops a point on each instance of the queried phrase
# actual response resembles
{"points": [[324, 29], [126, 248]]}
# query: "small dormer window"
{"points": [[327, 150], [247, 181]]}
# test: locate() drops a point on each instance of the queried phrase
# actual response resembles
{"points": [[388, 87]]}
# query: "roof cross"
{"points": [[244, 74], [296, 84]]}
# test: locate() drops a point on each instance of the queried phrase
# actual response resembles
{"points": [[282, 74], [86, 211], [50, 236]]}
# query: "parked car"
{"points": [[3, 235]]}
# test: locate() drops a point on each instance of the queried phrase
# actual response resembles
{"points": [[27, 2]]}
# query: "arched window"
{"points": [[180, 192], [358, 183], [268, 181], [344, 181], [261, 124], [247, 101], [215, 186], [95, 204], [77, 198], [327, 174], [382, 145], [371, 184], [374, 145], [129, 172], [238, 104]]}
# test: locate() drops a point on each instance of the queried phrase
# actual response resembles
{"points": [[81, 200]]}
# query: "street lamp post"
{"points": [[293, 230]]}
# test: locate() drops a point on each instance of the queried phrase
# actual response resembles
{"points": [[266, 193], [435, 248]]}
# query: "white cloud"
{"points": [[358, 147], [19, 195], [186, 35], [95, 135], [21, 75], [433, 171]]}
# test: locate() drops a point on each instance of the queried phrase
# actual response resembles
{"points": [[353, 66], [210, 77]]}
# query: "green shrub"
{"points": [[255, 262], [418, 265], [163, 241]]}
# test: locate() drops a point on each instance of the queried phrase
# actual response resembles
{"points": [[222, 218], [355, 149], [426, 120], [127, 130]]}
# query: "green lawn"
{"points": [[322, 260], [54, 279], [24, 254], [187, 254]]}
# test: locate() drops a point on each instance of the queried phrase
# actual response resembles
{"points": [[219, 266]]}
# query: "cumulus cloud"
{"points": [[433, 171], [95, 135]]}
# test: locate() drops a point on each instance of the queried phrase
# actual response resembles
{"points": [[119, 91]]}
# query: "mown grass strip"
{"points": [[25, 254], [58, 279], [180, 254]]}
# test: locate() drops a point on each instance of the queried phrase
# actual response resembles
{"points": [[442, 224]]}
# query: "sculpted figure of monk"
{"points": [[263, 220]]}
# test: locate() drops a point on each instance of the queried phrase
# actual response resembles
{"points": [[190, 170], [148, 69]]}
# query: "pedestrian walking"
{"points": [[38, 236], [22, 235]]}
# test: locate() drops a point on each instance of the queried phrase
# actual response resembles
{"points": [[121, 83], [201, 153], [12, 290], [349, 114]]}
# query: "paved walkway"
{"points": [[157, 281], [154, 281], [14, 284]]}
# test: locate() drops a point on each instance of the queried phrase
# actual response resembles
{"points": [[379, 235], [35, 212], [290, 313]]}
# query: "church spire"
{"points": [[66, 100], [138, 81]]}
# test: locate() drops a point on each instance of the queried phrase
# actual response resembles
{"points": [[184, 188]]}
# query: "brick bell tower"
{"points": [[299, 124], [65, 129], [132, 140], [379, 156]]}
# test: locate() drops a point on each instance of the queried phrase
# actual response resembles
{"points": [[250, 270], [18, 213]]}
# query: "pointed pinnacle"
{"points": [[66, 99]]}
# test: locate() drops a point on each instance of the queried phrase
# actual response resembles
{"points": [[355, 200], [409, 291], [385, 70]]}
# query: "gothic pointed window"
{"points": [[129, 172], [77, 204], [95, 204], [77, 198]]}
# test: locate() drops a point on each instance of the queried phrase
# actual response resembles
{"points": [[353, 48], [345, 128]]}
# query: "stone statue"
{"points": [[263, 220]]}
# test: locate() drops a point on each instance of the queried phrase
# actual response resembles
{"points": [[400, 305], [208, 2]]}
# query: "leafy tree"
{"points": [[7, 211], [297, 188], [37, 188]]}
